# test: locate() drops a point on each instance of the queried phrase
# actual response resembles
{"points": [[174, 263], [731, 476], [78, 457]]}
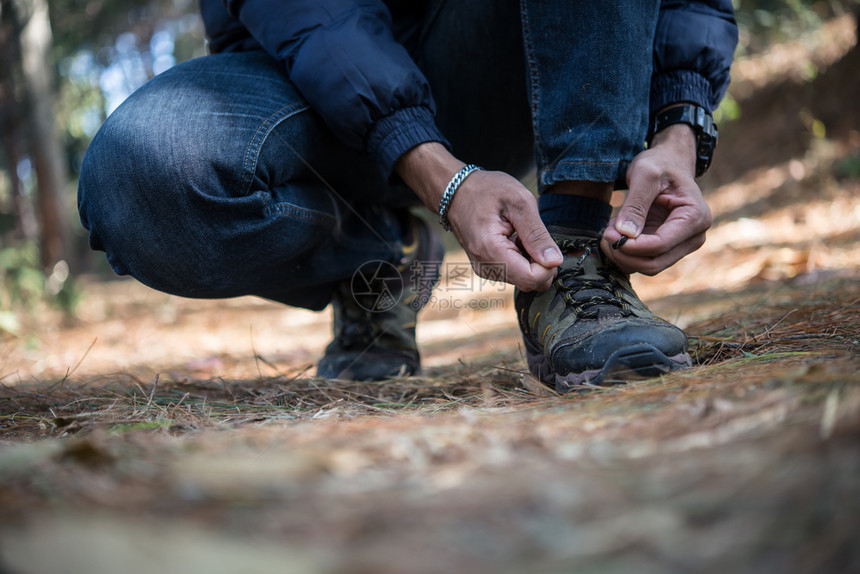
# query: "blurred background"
{"points": [[64, 67], [66, 64]]}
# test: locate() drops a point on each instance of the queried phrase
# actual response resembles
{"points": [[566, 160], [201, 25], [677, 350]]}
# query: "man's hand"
{"points": [[495, 218], [664, 215], [487, 211]]}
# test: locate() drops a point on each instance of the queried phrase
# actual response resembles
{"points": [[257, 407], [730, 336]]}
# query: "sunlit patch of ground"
{"points": [[746, 463]]}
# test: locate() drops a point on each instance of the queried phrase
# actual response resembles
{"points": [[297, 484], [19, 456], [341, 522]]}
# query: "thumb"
{"points": [[630, 220], [535, 238]]}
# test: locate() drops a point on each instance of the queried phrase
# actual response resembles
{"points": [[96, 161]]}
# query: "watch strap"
{"points": [[702, 122]]}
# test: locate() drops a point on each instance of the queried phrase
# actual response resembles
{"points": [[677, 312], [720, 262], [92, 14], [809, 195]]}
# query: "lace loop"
{"points": [[585, 296]]}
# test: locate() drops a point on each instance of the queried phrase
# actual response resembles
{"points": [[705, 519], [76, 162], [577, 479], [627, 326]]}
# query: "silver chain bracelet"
{"points": [[453, 185]]}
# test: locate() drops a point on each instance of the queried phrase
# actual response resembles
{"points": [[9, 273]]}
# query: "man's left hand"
{"points": [[664, 215]]}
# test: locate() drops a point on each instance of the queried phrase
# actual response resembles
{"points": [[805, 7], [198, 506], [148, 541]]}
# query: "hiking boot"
{"points": [[375, 312], [589, 328]]}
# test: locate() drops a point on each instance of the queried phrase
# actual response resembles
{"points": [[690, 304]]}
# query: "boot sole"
{"points": [[366, 367], [626, 364]]}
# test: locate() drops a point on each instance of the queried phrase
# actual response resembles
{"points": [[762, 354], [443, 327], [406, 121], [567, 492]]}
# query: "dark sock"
{"points": [[574, 211], [404, 219]]}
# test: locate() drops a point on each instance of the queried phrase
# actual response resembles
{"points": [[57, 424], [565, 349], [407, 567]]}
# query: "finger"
{"points": [[682, 224], [543, 274], [532, 233], [524, 274], [497, 255], [652, 265], [672, 234], [611, 233], [644, 183]]}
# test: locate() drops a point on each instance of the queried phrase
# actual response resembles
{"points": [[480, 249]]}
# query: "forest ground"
{"points": [[154, 433]]}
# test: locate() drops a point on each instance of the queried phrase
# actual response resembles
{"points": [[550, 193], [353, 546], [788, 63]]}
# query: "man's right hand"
{"points": [[493, 215]]}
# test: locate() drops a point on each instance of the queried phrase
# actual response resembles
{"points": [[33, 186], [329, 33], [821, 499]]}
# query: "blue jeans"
{"points": [[216, 178]]}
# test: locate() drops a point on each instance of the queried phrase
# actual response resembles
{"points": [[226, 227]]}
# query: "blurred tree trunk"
{"points": [[19, 207], [29, 24], [45, 149], [26, 226]]}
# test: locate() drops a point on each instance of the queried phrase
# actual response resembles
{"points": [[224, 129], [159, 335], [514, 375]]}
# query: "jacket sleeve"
{"points": [[341, 55], [693, 49]]}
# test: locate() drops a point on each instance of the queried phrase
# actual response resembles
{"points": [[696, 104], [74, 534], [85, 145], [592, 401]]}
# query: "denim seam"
{"points": [[259, 138], [545, 172], [534, 79], [310, 215], [581, 162]]}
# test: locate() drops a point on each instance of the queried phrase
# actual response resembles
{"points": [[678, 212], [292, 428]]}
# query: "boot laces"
{"points": [[358, 327], [584, 295]]}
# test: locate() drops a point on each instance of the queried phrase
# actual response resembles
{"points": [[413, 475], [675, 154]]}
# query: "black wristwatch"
{"points": [[702, 123]]}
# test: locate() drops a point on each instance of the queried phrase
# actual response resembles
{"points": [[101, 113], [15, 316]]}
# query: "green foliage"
{"points": [[101, 51], [729, 110], [21, 276], [142, 425], [848, 168], [24, 287], [104, 49], [813, 124], [764, 22]]}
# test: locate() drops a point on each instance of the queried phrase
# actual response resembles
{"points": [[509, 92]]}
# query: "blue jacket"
{"points": [[377, 99]]}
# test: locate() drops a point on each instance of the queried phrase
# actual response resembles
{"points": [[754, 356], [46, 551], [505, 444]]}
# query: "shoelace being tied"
{"points": [[586, 296]]}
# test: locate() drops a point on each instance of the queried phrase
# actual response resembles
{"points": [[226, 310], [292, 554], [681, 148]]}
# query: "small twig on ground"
{"points": [[767, 330], [268, 364], [754, 343], [228, 389], [152, 393], [255, 353], [81, 360], [176, 406]]}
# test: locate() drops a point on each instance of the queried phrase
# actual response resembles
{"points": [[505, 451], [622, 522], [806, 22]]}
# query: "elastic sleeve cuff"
{"points": [[681, 86], [397, 133]]}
